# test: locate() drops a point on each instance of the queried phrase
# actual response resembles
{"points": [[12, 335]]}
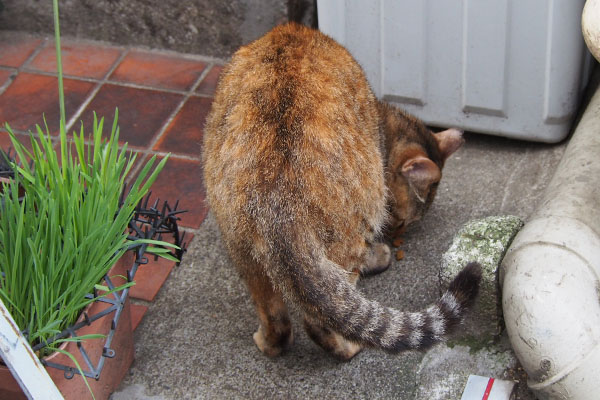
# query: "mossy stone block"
{"points": [[485, 241]]}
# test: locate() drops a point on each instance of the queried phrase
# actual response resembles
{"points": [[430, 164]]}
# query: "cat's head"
{"points": [[415, 160]]}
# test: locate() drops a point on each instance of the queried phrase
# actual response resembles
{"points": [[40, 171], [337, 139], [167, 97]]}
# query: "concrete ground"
{"points": [[196, 339]]}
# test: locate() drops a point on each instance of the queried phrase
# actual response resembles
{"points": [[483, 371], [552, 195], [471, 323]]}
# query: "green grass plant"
{"points": [[60, 239]]}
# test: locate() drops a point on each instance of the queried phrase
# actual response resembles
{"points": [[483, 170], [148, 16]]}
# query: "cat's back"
{"points": [[294, 81], [293, 61], [294, 110]]}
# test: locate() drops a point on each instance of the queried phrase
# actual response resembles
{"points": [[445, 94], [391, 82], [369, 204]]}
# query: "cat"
{"points": [[303, 169]]}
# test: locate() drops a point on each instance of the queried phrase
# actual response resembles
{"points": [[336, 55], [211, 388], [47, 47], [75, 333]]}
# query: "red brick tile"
{"points": [[182, 180], [137, 313], [15, 48], [184, 134], [30, 97], [209, 83], [188, 237], [142, 112], [158, 70], [150, 277], [6, 143], [4, 75], [78, 59]]}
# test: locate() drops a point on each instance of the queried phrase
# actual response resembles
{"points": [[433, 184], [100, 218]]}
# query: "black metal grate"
{"points": [[147, 223]]}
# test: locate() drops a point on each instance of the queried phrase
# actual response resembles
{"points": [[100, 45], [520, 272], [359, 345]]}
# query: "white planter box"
{"points": [[512, 68]]}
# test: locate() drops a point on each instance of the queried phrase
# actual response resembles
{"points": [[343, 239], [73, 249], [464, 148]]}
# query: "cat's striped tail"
{"points": [[325, 293]]}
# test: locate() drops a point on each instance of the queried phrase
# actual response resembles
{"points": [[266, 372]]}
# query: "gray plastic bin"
{"points": [[512, 68]]}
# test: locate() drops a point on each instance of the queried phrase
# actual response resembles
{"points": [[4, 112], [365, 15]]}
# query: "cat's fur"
{"points": [[303, 169]]}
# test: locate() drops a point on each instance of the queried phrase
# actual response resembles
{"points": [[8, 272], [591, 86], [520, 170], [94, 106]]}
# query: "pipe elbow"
{"points": [[551, 303]]}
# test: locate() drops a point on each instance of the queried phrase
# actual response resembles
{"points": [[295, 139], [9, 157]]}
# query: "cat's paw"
{"points": [[269, 348], [332, 342], [347, 350], [378, 261]]}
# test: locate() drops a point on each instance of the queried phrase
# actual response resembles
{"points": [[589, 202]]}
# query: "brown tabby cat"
{"points": [[303, 169]]}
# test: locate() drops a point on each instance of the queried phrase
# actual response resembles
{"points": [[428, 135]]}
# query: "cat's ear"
{"points": [[421, 173], [449, 141]]}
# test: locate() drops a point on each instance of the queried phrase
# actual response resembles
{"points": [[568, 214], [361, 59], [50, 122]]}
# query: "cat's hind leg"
{"points": [[274, 332], [330, 341]]}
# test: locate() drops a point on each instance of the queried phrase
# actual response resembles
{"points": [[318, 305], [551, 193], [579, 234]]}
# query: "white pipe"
{"points": [[550, 276], [590, 26]]}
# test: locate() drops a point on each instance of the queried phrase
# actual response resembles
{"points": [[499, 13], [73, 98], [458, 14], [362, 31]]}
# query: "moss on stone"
{"points": [[486, 241]]}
